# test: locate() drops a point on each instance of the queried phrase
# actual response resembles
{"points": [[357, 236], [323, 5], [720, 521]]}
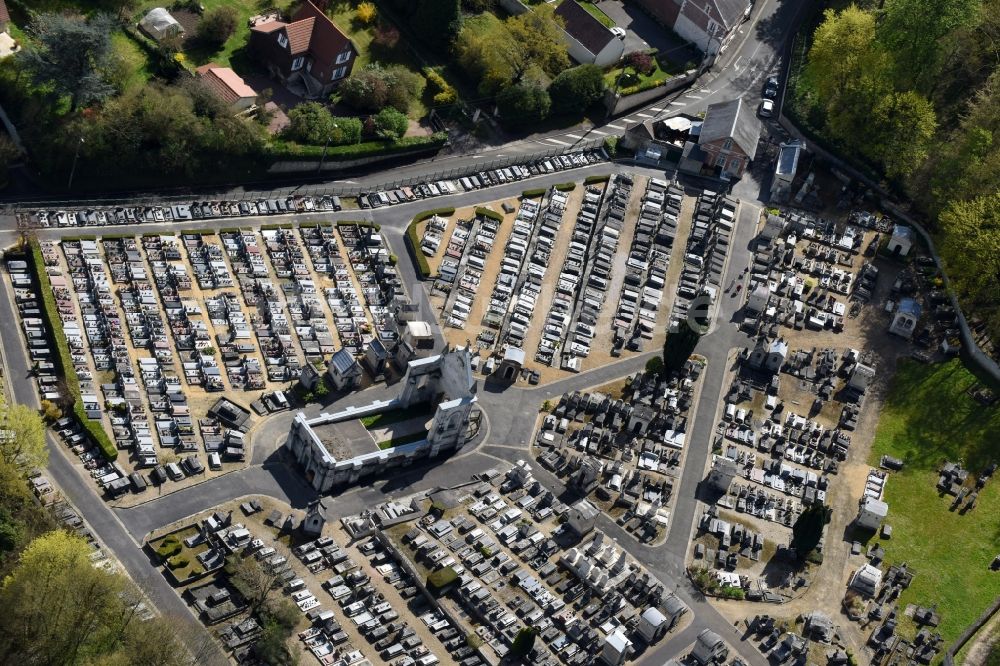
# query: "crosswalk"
{"points": [[621, 124]]}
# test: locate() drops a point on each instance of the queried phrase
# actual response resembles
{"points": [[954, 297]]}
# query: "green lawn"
{"points": [[596, 12], [397, 416], [233, 52], [663, 70], [404, 439], [135, 64], [929, 418], [363, 36]]}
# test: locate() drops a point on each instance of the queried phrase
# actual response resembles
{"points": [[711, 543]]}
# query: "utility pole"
{"points": [[72, 171], [326, 145]]}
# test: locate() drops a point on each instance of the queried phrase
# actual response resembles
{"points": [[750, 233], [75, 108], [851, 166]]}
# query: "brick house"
{"points": [[727, 140], [708, 24], [309, 52]]}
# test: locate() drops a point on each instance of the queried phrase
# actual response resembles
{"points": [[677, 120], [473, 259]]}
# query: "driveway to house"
{"points": [[645, 33]]}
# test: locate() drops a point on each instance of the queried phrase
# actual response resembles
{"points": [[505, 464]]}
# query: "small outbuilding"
{"points": [[904, 322], [901, 240], [158, 24], [343, 370]]}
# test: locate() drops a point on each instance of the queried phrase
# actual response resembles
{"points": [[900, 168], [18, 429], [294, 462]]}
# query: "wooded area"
{"points": [[912, 89]]}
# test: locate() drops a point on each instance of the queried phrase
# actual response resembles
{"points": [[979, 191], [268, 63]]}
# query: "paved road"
{"points": [[510, 415], [751, 57], [81, 492], [738, 72]]}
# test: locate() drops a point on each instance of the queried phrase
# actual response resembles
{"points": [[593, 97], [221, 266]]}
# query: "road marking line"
{"points": [[597, 131], [561, 143], [693, 96], [644, 115], [574, 136], [615, 127], [678, 104]]}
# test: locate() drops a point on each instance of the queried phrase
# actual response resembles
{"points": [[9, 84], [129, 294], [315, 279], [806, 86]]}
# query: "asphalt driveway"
{"points": [[645, 33]]}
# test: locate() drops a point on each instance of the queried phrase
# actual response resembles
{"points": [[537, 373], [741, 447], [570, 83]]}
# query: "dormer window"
{"points": [[297, 63], [282, 40], [344, 56], [728, 144]]}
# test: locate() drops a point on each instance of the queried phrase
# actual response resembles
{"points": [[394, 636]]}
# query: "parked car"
{"points": [[618, 32], [771, 87], [767, 108]]}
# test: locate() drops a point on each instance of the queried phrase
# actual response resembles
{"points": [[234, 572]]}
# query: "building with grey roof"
{"points": [[588, 40], [335, 450], [709, 25]]}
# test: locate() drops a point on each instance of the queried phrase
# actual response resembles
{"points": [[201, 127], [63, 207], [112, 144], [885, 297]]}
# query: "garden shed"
{"points": [[158, 24]]}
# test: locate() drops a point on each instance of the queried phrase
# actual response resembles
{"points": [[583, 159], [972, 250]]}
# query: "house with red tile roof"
{"points": [[309, 53], [227, 86], [4, 16]]}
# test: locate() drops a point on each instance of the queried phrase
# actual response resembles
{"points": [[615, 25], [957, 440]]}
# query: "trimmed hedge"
{"points": [[590, 180], [413, 240], [308, 225], [487, 212], [565, 187], [294, 151], [95, 429], [233, 230], [531, 194]]}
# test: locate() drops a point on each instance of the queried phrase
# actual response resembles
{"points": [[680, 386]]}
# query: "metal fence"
{"points": [[161, 198]]}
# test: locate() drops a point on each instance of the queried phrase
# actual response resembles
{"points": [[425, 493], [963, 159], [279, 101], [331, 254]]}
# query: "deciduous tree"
{"points": [[22, 436], [523, 104], [70, 53], [391, 124], [310, 123], [218, 25], [575, 89], [971, 247], [916, 32]]}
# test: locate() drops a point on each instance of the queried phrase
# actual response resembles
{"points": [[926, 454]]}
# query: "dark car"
{"points": [[771, 87]]}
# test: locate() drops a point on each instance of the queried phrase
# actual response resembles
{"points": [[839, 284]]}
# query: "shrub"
{"points": [[178, 562], [375, 87], [523, 104], [310, 123], [51, 411], [444, 93], [730, 592], [218, 25], [576, 88], [591, 180], [386, 36], [487, 212], [391, 124], [346, 130], [365, 13], [641, 87], [533, 193], [168, 548], [654, 366], [641, 62], [565, 187]]}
